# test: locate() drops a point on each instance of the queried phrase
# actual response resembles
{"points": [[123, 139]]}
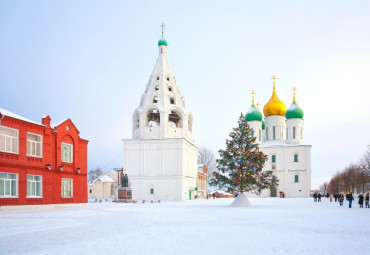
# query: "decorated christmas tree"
{"points": [[241, 163]]}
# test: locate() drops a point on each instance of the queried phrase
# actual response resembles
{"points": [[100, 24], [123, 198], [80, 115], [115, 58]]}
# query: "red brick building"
{"points": [[41, 163]]}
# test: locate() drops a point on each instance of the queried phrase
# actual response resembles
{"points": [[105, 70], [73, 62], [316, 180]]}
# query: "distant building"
{"points": [[41, 163], [104, 186], [202, 181]]}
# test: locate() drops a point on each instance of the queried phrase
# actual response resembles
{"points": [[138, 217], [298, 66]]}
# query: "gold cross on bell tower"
{"points": [[273, 78], [294, 90], [253, 93], [162, 26]]}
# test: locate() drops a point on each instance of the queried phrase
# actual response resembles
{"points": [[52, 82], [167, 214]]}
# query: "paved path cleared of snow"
{"points": [[270, 226]]}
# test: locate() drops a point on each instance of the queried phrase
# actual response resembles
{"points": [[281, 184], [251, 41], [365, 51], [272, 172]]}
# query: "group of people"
{"points": [[317, 197], [340, 198]]}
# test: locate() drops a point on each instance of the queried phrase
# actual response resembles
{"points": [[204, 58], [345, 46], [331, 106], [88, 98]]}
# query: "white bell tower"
{"points": [[161, 159], [162, 113]]}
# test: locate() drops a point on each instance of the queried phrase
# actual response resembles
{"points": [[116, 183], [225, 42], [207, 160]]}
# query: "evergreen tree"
{"points": [[240, 166]]}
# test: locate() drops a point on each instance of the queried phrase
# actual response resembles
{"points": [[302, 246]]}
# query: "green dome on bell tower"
{"points": [[162, 41]]}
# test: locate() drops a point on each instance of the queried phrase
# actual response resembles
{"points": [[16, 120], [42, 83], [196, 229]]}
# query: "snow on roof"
{"points": [[104, 178], [280, 144], [111, 172], [16, 116]]}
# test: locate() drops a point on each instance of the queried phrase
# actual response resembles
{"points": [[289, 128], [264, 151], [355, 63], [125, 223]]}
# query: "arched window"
{"points": [[172, 100], [169, 88], [273, 133], [259, 134], [293, 132], [296, 178], [295, 158], [154, 118], [174, 120], [155, 99], [157, 87], [267, 133]]}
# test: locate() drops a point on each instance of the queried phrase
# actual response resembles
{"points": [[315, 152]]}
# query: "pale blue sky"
{"points": [[90, 61]]}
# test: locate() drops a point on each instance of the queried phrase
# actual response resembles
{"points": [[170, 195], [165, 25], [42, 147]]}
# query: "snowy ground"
{"points": [[270, 226]]}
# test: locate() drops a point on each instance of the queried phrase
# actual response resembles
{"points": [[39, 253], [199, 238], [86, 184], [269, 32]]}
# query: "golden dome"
{"points": [[274, 106]]}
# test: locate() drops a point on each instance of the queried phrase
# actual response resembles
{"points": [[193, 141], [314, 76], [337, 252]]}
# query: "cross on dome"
{"points": [[273, 78], [162, 27], [253, 93], [294, 90]]}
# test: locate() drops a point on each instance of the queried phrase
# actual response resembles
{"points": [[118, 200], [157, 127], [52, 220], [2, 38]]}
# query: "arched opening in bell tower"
{"points": [[174, 119], [154, 118]]}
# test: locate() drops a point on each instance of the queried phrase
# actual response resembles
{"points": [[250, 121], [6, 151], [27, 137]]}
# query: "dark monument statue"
{"points": [[124, 183], [124, 192]]}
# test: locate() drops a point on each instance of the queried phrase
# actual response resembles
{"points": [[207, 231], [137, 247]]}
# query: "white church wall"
{"points": [[257, 130], [168, 165], [298, 125], [286, 169], [280, 128]]}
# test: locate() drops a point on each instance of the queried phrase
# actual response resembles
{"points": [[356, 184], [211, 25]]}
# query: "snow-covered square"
{"points": [[270, 226]]}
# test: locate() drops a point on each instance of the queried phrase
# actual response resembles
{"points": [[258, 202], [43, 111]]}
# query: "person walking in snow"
{"points": [[341, 199], [315, 197], [350, 199], [361, 200], [367, 201], [336, 197], [319, 197]]}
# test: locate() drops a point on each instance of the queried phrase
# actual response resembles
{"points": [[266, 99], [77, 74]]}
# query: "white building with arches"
{"points": [[280, 137], [161, 159]]}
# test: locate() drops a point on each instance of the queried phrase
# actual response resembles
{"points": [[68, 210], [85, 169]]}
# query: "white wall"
{"points": [[169, 166], [286, 168], [279, 123]]}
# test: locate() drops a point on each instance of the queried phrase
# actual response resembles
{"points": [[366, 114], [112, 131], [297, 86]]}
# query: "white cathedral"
{"points": [[281, 138], [161, 160]]}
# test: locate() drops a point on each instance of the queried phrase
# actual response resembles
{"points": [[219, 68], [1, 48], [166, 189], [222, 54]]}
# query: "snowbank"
{"points": [[241, 201]]}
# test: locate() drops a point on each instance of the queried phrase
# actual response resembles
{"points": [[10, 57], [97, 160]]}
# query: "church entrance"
{"points": [[273, 192]]}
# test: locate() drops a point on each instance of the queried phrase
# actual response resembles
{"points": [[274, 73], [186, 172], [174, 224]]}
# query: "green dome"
{"points": [[253, 114], [294, 112], [263, 124], [162, 41]]}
